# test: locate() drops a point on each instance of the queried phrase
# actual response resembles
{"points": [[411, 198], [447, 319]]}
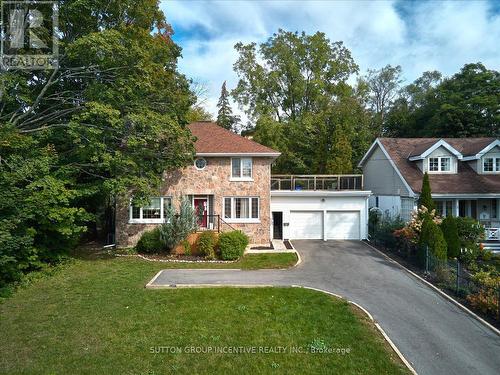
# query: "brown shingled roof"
{"points": [[466, 181], [211, 138]]}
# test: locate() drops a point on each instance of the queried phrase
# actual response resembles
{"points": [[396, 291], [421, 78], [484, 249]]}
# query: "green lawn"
{"points": [[94, 316]]}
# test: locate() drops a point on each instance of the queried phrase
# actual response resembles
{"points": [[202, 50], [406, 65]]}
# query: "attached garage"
{"points": [[327, 215], [306, 224], [342, 225]]}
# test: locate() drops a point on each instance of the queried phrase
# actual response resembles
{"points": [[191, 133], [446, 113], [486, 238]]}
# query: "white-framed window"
{"points": [[241, 168], [407, 206], [200, 163], [491, 164], [241, 209], [440, 164], [155, 212]]}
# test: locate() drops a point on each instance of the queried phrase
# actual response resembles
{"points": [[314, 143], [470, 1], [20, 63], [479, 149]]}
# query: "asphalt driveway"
{"points": [[432, 333]]}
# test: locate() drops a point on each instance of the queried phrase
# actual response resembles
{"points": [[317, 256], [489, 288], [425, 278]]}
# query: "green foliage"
{"points": [[206, 244], [426, 195], [432, 237], [178, 226], [464, 105], [294, 88], [384, 228], [470, 233], [109, 120], [150, 242], [225, 117], [187, 247], [232, 244], [450, 233]]}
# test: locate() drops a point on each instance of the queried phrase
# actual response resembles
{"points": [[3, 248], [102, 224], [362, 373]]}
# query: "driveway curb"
{"points": [[454, 301]]}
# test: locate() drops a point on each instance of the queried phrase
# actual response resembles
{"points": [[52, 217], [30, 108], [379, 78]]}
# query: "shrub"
{"points": [[232, 244], [187, 247], [178, 226], [432, 237], [150, 242], [450, 233], [384, 231], [469, 230], [426, 195], [206, 244]]}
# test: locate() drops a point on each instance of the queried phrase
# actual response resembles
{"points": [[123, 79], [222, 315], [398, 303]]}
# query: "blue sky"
{"points": [[418, 35]]}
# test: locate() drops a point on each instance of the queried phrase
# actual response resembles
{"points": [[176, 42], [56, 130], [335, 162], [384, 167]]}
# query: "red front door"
{"points": [[200, 208]]}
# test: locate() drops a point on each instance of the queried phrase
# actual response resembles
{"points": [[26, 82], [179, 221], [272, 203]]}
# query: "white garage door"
{"points": [[342, 225], [306, 225]]}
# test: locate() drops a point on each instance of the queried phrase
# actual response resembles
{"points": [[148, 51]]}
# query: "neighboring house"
{"points": [[464, 175], [228, 183], [231, 187]]}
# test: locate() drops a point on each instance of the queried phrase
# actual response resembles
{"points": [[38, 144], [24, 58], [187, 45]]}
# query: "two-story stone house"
{"points": [[464, 175], [228, 184]]}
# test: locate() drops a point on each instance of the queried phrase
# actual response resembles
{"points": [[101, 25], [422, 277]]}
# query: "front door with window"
{"points": [[201, 210]]}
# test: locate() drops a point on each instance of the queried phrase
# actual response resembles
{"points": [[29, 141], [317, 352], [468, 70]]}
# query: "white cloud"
{"points": [[426, 36]]}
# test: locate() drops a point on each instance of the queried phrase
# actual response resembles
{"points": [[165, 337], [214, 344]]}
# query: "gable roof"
{"points": [[213, 140], [423, 150], [465, 181]]}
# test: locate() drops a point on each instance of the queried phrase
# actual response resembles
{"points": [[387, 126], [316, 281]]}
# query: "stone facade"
{"points": [[213, 181]]}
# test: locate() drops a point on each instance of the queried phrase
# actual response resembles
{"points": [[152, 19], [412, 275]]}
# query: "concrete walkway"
{"points": [[436, 336]]}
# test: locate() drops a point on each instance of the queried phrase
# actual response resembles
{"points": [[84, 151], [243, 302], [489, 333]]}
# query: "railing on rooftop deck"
{"points": [[317, 182]]}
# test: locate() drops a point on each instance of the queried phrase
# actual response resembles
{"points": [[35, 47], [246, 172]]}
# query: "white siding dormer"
{"points": [[489, 163], [440, 161]]}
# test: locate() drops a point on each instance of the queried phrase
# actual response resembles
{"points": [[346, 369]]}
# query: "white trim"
{"points": [[200, 169], [241, 177], [320, 193], [236, 154], [483, 151], [495, 157], [440, 171], [148, 221], [365, 156], [377, 142], [465, 196], [435, 146], [235, 220]]}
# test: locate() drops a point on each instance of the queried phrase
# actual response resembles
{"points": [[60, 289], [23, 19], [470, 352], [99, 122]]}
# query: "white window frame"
{"points": [[439, 158], [234, 219], [198, 168], [496, 163], [141, 220], [241, 177]]}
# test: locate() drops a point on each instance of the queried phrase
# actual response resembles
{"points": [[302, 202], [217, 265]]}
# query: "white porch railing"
{"points": [[493, 234]]}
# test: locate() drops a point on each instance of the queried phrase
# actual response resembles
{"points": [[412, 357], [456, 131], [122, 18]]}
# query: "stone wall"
{"points": [[213, 180]]}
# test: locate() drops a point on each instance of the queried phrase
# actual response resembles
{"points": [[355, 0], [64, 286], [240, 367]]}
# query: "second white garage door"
{"points": [[306, 225], [342, 225]]}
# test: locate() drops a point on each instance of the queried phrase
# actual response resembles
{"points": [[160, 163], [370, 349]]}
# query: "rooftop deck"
{"points": [[317, 182]]}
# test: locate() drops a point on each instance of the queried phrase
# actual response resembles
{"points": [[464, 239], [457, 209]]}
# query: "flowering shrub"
{"points": [[411, 231], [486, 299]]}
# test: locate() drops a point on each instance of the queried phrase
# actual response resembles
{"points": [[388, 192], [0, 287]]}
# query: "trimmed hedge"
{"points": [[232, 244], [150, 242], [450, 232], [206, 244], [432, 236]]}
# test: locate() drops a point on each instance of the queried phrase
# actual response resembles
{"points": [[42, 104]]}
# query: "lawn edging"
{"points": [[436, 289], [150, 285]]}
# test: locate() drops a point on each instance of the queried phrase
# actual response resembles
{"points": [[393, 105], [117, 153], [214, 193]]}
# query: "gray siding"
{"points": [[380, 177]]}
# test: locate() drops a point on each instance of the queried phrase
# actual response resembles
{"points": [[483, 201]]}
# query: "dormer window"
{"points": [[440, 164], [491, 165]]}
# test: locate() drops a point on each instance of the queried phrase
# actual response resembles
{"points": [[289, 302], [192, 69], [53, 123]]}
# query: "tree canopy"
{"points": [[109, 120], [294, 88], [225, 117]]}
